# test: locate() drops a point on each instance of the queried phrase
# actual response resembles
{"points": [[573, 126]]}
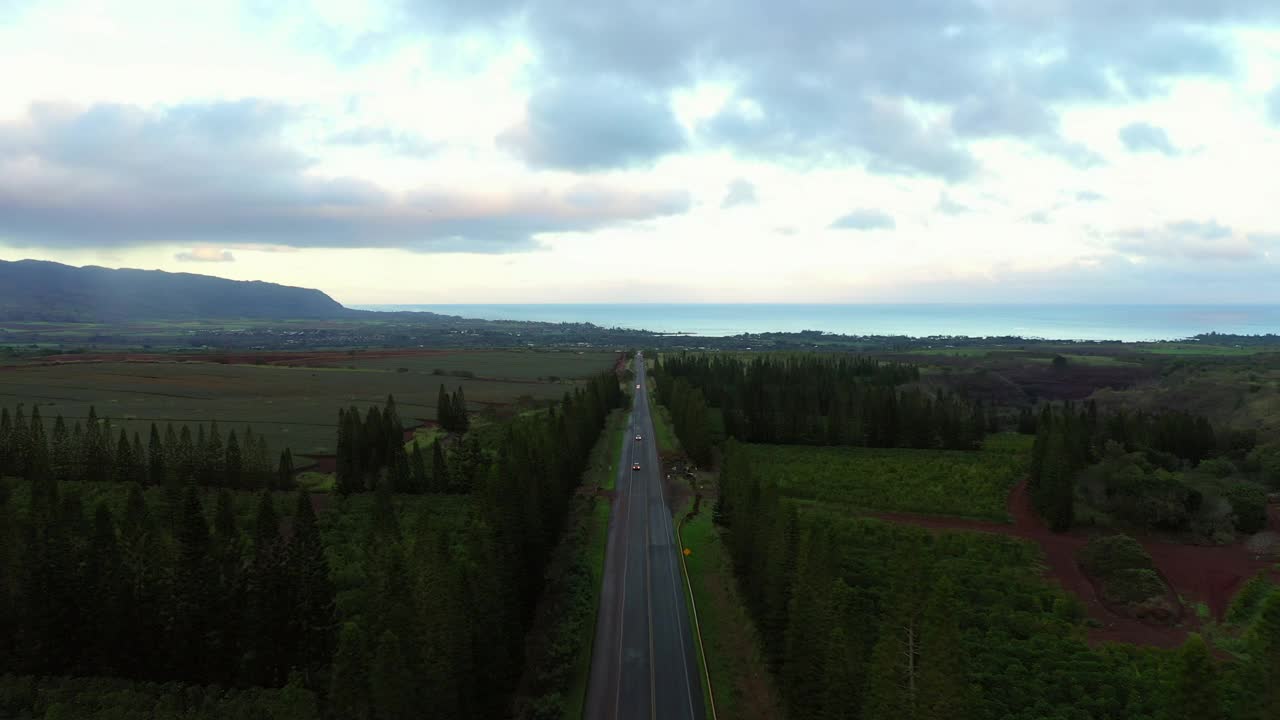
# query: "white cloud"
{"points": [[404, 141]]}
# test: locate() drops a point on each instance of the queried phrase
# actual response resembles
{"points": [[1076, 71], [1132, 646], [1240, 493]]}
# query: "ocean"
{"points": [[1129, 323]]}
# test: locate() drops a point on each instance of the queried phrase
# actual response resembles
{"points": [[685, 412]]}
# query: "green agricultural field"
{"points": [[293, 407], [497, 364], [942, 482]]}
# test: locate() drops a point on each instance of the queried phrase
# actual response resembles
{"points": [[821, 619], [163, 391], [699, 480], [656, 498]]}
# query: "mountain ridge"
{"points": [[42, 290]]}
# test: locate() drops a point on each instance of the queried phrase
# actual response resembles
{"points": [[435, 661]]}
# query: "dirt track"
{"points": [[1210, 575]]}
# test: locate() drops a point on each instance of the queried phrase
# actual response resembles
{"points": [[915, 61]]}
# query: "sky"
{"points": [[623, 151]]}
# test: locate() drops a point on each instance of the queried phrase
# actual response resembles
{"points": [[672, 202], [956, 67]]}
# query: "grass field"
{"points": [[734, 662], [293, 407], [962, 484]]}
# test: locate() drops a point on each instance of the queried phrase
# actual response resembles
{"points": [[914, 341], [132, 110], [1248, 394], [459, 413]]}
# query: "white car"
{"points": [[637, 387], [637, 438]]}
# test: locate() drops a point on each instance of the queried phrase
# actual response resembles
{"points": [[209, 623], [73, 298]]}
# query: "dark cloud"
{"points": [[220, 174], [596, 125], [1193, 240], [864, 220], [812, 79], [740, 192], [1145, 137]]}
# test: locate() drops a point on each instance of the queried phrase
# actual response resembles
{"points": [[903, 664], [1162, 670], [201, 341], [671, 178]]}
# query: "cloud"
{"points": [[817, 81], [220, 174], [947, 206], [864, 220], [595, 125], [1144, 137], [1273, 105], [740, 192], [205, 255], [1039, 217], [1089, 196], [400, 143], [1193, 240]]}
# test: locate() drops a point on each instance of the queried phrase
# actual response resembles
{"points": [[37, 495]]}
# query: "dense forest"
{"points": [[1162, 470], [813, 399], [866, 619], [366, 610]]}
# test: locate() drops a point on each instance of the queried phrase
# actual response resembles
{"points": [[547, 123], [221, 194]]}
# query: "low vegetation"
{"points": [[967, 484]]}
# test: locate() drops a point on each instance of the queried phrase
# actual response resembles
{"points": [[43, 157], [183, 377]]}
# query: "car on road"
{"points": [[637, 387], [637, 438], [636, 466]]}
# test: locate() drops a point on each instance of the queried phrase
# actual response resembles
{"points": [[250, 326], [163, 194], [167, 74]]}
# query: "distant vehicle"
{"points": [[637, 438], [635, 466], [637, 386]]}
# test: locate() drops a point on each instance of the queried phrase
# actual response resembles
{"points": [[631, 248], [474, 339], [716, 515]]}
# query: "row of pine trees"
{"points": [[157, 593], [90, 452], [444, 629], [370, 447], [815, 400]]}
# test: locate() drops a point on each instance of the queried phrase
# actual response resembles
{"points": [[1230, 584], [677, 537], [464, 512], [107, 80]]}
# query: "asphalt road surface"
{"points": [[643, 664]]}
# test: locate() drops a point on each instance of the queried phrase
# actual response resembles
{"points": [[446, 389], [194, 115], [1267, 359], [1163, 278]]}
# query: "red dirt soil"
{"points": [[311, 358], [1210, 575]]}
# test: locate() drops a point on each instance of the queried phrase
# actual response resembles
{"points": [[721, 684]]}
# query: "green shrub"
{"points": [[1105, 556]]}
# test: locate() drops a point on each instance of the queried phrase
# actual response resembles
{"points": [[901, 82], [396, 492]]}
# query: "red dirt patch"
{"points": [[1210, 575], [275, 357]]}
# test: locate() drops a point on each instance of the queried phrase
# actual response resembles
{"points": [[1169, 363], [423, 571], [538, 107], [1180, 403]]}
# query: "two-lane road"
{"points": [[643, 665]]}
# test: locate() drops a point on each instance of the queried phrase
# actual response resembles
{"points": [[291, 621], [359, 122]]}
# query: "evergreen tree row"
{"points": [[163, 596], [443, 636], [89, 451], [1174, 433], [814, 400], [451, 410], [863, 619], [370, 447]]}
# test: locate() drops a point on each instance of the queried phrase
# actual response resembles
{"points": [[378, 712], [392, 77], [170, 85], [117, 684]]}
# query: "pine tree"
{"points": [[37, 450], [105, 587], [233, 463], [392, 681], [458, 411], [155, 458], [61, 452], [349, 695], [284, 475], [1264, 658], [1195, 689], [313, 613], [193, 586], [439, 471], [419, 469], [213, 461], [943, 690], [444, 409], [122, 471]]}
